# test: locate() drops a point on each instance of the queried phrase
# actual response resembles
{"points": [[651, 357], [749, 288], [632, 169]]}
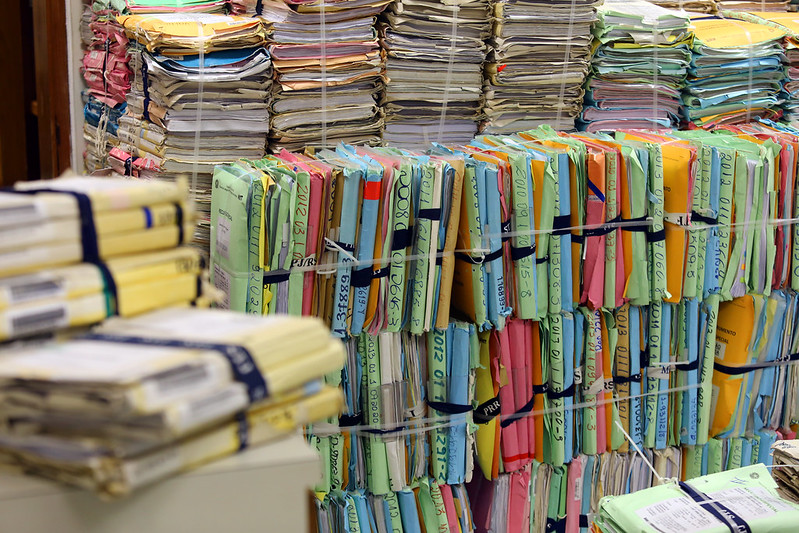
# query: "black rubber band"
{"points": [[698, 217], [430, 214], [276, 276], [561, 225], [449, 408], [622, 380], [362, 277], [739, 370], [518, 254], [505, 230], [346, 421], [568, 392], [656, 236], [604, 229], [637, 224], [401, 239], [487, 411]]}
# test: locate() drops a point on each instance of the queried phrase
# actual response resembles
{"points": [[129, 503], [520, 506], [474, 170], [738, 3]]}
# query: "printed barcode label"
{"points": [[223, 237], [216, 405], [180, 378], [37, 320], [153, 467], [222, 282], [34, 290]]}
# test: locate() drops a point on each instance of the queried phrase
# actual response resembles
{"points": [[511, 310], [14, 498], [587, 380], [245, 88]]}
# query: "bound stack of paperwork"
{"points": [[786, 468], [329, 73], [736, 72], [539, 56], [435, 55], [638, 68], [199, 98], [141, 399], [76, 250]]}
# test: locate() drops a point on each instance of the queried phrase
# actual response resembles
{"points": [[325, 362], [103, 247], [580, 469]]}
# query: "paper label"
{"points": [[677, 515], [223, 237], [160, 389], [152, 467], [222, 282], [213, 406], [30, 288], [751, 503], [658, 371], [38, 319]]}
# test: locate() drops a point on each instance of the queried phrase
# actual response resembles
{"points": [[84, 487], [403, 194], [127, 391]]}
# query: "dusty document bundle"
{"points": [[141, 399]]}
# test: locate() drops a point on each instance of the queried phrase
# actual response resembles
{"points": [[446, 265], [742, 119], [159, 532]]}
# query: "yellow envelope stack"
{"points": [[76, 250]]}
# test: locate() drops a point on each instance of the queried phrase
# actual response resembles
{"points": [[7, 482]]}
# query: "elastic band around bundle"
{"points": [[242, 364]]}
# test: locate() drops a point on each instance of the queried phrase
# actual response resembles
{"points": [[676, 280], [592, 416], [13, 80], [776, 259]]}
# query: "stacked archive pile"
{"points": [[77, 250], [329, 73], [421, 38], [538, 59], [170, 390], [199, 98], [787, 23], [558, 291], [786, 471], [154, 390], [638, 68], [736, 72], [745, 499], [692, 6], [752, 5], [107, 76]]}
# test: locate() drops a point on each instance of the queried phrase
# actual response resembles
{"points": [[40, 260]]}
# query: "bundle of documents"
{"points": [[140, 399], [538, 59], [435, 52], [190, 111], [422, 506], [107, 76], [175, 6], [638, 68], [692, 6], [790, 86], [786, 469], [329, 73], [75, 250], [736, 72], [752, 5], [743, 499]]}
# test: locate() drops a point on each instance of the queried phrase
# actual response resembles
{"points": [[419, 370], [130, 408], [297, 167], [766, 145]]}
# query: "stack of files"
{"points": [[360, 204], [538, 60], [423, 506], [100, 126], [736, 72], [638, 68], [107, 76], [542, 497], [75, 250], [786, 471], [435, 52], [141, 399], [752, 5], [329, 73], [692, 6], [144, 7], [188, 112], [790, 86], [742, 499]]}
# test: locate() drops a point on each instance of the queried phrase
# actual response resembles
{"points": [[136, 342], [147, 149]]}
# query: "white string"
{"points": [[448, 80], [437, 422], [566, 61], [638, 451], [329, 267], [195, 165], [323, 65]]}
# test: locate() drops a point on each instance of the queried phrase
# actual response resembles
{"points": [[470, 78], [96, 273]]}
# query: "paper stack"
{"points": [[752, 5], [435, 55], [693, 6], [736, 72], [144, 7], [107, 75], [76, 250], [790, 86], [141, 399], [743, 499], [329, 73], [538, 59], [638, 67], [786, 468], [200, 98]]}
